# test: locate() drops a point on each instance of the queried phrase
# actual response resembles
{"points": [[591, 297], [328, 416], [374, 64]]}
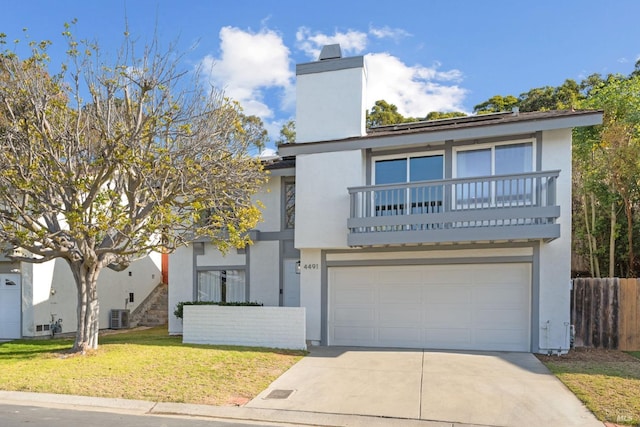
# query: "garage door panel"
{"points": [[400, 294], [502, 318], [462, 307], [354, 275], [354, 316], [499, 296], [400, 337], [509, 339], [437, 274], [400, 277], [512, 274], [447, 315], [447, 294], [448, 337], [396, 315], [356, 294], [353, 336]]}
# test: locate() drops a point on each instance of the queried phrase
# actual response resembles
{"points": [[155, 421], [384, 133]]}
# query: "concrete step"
{"points": [[154, 310]]}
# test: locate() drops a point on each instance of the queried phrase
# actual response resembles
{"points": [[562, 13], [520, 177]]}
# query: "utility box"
{"points": [[119, 319]]}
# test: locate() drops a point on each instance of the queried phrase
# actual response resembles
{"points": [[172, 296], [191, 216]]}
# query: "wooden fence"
{"points": [[606, 313]]}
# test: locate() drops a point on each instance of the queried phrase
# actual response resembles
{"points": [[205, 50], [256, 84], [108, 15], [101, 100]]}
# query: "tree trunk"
{"points": [[593, 237], [612, 241], [594, 264], [86, 277], [628, 209], [585, 210]]}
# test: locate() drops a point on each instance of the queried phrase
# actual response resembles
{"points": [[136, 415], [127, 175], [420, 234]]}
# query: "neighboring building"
{"points": [[448, 234], [33, 296]]}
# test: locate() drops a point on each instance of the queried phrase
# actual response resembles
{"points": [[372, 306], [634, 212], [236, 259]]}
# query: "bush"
{"points": [[179, 312]]}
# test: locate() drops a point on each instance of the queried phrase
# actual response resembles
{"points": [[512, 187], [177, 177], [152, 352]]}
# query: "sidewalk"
{"points": [[279, 417]]}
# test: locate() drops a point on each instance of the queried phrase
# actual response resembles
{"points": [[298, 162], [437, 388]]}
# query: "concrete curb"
{"points": [[141, 407]]}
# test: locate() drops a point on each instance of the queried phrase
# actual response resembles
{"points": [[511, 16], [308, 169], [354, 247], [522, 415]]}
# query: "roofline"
{"points": [[327, 65], [429, 135]]}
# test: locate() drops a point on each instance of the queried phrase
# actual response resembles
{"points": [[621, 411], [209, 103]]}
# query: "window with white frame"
{"points": [[221, 285]]}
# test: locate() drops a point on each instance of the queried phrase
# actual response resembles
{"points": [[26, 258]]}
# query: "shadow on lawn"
{"points": [[30, 349], [613, 363], [159, 336]]}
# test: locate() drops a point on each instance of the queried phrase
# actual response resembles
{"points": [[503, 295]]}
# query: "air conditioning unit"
{"points": [[119, 319]]}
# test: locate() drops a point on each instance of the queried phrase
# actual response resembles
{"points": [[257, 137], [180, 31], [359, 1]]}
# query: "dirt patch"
{"points": [[594, 355], [238, 401]]}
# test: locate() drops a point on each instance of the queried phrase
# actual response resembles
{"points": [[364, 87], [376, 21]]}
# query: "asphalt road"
{"points": [[33, 416]]}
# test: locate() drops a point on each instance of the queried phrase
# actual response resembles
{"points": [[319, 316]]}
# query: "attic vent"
{"points": [[330, 51]]}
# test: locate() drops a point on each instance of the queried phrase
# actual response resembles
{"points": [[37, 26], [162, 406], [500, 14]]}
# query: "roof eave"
{"points": [[456, 134]]}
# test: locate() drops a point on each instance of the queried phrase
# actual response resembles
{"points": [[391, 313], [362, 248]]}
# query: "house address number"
{"points": [[310, 266]]}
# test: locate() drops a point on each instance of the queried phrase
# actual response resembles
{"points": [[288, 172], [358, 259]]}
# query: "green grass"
{"points": [[607, 381], [144, 364]]}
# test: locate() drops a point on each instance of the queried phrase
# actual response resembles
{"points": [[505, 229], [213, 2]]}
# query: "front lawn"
{"points": [[607, 381], [144, 364]]}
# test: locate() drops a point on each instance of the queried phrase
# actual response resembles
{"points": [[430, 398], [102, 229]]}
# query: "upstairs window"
{"points": [[496, 160], [408, 169], [289, 204], [505, 159]]}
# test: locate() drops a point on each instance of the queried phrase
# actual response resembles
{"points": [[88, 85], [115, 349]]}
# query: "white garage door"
{"points": [[461, 307], [10, 300]]}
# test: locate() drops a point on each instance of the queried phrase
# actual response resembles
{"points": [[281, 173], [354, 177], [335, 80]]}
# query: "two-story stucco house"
{"points": [[446, 234]]}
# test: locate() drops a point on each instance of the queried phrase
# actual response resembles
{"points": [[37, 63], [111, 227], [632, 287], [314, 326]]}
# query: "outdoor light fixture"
{"points": [[298, 267]]}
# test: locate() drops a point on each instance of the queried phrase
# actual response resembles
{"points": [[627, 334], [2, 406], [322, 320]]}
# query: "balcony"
{"points": [[490, 208]]}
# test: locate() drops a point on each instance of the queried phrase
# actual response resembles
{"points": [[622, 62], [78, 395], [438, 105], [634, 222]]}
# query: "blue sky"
{"points": [[421, 55]]}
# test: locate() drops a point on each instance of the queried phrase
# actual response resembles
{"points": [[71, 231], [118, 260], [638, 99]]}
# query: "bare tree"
{"points": [[104, 162]]}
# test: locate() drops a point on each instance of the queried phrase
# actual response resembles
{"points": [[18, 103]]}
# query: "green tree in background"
{"points": [[287, 133], [609, 155], [439, 115], [383, 113], [496, 104]]}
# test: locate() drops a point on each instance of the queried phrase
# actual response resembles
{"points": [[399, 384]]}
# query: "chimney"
{"points": [[330, 97]]}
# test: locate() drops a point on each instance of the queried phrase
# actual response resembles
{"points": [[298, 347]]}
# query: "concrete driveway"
{"points": [[479, 388]]}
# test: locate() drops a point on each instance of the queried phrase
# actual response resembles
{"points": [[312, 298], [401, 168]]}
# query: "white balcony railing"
{"points": [[517, 206]]}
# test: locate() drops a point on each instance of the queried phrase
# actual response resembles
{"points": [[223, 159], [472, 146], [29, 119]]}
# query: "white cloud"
{"points": [[254, 68], [268, 154], [415, 90], [388, 33], [249, 64]]}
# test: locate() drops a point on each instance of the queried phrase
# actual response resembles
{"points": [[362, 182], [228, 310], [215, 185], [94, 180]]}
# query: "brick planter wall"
{"points": [[274, 327]]}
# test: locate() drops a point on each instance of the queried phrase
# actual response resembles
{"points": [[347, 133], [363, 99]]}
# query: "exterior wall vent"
{"points": [[119, 319]]}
